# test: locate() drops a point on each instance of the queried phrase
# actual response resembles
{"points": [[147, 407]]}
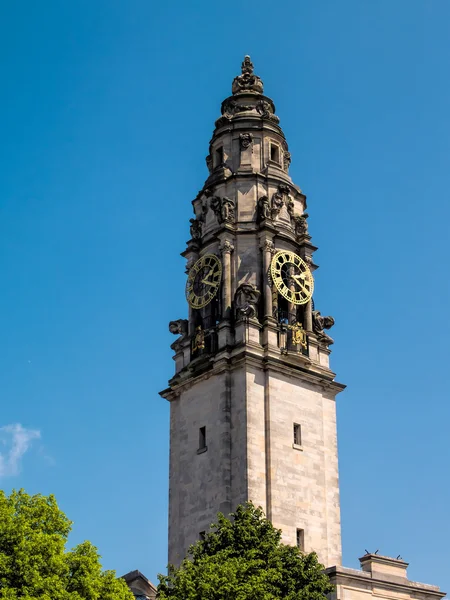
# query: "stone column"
{"points": [[292, 308], [267, 248], [226, 248], [191, 258], [307, 325]]}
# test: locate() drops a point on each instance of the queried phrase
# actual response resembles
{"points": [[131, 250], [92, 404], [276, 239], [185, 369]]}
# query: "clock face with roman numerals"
{"points": [[292, 277], [203, 280]]}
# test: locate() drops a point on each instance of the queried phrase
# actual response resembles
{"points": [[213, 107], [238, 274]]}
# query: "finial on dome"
{"points": [[247, 65], [247, 82]]}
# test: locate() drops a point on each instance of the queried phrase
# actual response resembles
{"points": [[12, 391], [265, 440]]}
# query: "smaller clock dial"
{"points": [[203, 280], [292, 277]]}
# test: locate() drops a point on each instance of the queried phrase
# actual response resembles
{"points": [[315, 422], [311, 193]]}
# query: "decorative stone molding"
{"points": [[209, 163], [245, 140], [246, 300], [224, 209], [247, 82], [308, 260], [231, 107], [223, 120], [191, 261]]}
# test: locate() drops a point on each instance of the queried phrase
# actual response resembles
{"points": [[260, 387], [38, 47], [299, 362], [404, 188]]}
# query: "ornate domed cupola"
{"points": [[250, 231]]}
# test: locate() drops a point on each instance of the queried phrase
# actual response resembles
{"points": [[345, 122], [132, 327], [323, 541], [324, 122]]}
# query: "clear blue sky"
{"points": [[106, 111]]}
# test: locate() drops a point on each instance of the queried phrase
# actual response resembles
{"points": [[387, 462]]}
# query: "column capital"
{"points": [[267, 246], [226, 247]]}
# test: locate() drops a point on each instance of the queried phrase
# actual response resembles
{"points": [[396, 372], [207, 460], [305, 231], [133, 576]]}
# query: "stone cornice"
{"points": [[300, 368], [343, 576]]}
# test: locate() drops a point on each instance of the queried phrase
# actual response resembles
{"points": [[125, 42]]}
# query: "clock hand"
{"points": [[302, 287], [209, 283]]}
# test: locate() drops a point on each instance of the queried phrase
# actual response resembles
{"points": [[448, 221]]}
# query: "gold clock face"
{"points": [[203, 280], [292, 277]]}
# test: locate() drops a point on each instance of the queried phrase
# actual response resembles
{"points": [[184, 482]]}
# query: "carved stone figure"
{"points": [[209, 163], [246, 301], [216, 203], [224, 209], [245, 140], [264, 108], [290, 206], [243, 107], [179, 327], [195, 229], [298, 334], [263, 208], [226, 247], [277, 203], [286, 160], [247, 81], [227, 211], [231, 107], [198, 342], [301, 225], [319, 324], [228, 108]]}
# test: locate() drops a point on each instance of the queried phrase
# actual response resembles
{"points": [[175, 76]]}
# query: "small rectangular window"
{"points": [[202, 438], [274, 153], [300, 540], [219, 156], [297, 434]]}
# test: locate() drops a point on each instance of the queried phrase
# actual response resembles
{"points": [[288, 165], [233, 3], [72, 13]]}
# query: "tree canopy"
{"points": [[34, 562], [242, 558]]}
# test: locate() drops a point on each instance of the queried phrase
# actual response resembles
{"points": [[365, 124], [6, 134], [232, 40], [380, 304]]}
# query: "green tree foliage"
{"points": [[33, 560], [242, 558]]}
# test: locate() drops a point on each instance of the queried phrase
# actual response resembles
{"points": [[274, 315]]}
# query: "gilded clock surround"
{"points": [[292, 277], [203, 281]]}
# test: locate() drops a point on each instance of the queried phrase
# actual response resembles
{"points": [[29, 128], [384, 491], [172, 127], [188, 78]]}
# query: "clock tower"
{"points": [[252, 401]]}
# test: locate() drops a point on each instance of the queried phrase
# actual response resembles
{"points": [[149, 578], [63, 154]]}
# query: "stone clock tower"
{"points": [[252, 402]]}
